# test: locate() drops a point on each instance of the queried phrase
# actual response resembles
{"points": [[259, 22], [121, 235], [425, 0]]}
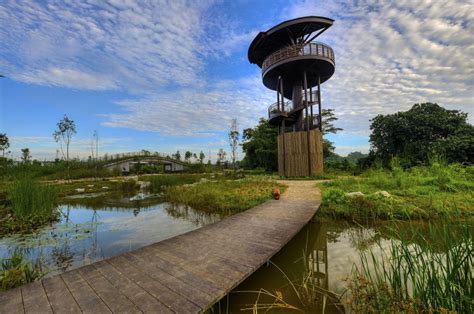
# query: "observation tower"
{"points": [[295, 65]]}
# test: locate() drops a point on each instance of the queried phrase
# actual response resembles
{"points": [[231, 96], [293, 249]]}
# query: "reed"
{"points": [[416, 277], [30, 199]]}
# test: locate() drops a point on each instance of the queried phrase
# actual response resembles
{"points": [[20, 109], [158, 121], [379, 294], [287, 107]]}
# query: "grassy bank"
{"points": [[225, 196], [29, 205], [418, 193], [435, 275]]}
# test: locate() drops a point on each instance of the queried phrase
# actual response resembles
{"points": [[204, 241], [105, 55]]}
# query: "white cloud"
{"points": [[390, 55], [134, 46], [194, 113]]}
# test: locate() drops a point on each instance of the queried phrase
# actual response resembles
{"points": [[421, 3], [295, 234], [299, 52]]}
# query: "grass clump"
{"points": [[223, 196], [160, 182], [418, 193], [14, 272], [30, 205], [416, 277]]}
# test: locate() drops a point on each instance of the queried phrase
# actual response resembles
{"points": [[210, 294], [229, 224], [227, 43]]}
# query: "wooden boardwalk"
{"points": [[185, 274]]}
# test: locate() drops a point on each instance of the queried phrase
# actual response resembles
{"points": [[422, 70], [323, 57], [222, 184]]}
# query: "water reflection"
{"points": [[95, 228], [323, 255]]}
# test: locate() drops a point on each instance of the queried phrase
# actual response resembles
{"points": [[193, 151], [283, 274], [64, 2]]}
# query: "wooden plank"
{"points": [[142, 298], [193, 279], [85, 296], [178, 285], [114, 300], [59, 296], [35, 299], [11, 301], [173, 300]]}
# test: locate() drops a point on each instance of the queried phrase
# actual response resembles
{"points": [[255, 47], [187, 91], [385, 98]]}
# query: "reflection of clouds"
{"points": [[92, 235]]}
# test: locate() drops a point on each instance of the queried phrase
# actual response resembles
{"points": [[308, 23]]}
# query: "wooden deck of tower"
{"points": [[184, 274]]}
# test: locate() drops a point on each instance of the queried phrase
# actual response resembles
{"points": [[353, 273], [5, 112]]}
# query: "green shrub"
{"points": [[334, 196]]}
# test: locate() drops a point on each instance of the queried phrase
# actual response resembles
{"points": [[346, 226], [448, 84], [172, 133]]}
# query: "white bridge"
{"points": [[169, 164]]}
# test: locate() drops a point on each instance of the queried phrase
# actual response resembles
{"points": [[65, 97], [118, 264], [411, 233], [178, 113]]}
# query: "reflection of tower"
{"points": [[318, 260], [292, 65]]}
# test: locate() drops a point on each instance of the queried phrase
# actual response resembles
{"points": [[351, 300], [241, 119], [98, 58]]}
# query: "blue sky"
{"points": [[169, 75]]}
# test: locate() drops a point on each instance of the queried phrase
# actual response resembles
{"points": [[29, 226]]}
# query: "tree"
{"points": [[4, 143], [201, 157], [63, 135], [25, 155], [329, 118], [187, 155], [260, 146], [424, 130], [95, 146], [234, 140], [177, 155], [221, 154]]}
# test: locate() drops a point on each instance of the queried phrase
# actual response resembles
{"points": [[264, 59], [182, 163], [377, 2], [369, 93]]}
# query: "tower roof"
{"points": [[284, 34]]}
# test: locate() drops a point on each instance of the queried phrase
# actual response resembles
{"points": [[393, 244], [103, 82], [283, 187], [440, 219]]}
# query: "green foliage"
{"points": [[223, 196], [435, 191], [420, 132], [260, 146], [14, 272], [160, 182], [329, 118], [416, 277], [4, 143]]}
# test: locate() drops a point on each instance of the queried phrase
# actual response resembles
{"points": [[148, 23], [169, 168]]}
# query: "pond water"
{"points": [[323, 253], [95, 227]]}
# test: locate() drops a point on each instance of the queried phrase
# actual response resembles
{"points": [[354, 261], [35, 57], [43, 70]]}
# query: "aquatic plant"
{"points": [[416, 277], [15, 271], [29, 205], [310, 297], [31, 200]]}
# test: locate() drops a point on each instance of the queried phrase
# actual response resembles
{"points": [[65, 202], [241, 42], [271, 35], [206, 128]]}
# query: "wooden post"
{"points": [[282, 94], [278, 93], [319, 106], [283, 125], [308, 142], [311, 101]]}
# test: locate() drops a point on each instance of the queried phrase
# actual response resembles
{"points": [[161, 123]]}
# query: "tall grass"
{"points": [[160, 182], [30, 205], [417, 277]]}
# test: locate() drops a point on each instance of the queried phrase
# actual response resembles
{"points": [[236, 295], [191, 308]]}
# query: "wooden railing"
{"points": [[311, 49]]}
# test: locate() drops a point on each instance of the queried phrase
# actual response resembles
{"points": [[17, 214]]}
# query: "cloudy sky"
{"points": [[168, 75]]}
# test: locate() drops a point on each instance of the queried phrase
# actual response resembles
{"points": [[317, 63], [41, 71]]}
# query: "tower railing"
{"points": [[309, 49]]}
